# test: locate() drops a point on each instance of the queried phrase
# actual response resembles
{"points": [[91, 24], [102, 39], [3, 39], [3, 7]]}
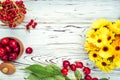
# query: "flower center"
{"points": [[105, 48], [109, 37], [99, 40], [117, 48], [94, 55], [104, 64]]}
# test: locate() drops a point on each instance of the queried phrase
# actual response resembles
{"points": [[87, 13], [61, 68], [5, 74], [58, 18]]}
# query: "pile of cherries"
{"points": [[11, 11], [9, 49], [73, 67]]}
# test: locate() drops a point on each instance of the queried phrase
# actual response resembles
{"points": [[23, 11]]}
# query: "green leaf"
{"points": [[104, 79], [40, 71], [59, 77], [32, 77], [78, 75]]}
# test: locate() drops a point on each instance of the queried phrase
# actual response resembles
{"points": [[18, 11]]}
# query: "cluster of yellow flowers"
{"points": [[103, 44]]}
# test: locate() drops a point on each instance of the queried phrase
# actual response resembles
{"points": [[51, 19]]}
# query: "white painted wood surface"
{"points": [[60, 33]]}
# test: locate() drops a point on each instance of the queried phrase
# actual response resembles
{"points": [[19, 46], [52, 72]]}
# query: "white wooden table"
{"points": [[60, 33]]}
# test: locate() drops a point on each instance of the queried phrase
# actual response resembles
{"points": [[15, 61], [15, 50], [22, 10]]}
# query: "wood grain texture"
{"points": [[60, 33]]}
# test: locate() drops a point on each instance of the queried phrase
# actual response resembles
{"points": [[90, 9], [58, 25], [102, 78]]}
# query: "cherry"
{"points": [[12, 56], [13, 43], [34, 25], [86, 70], [5, 41], [88, 77], [17, 49], [64, 71], [31, 21], [2, 52], [95, 79], [66, 63], [73, 67], [8, 49], [79, 64], [29, 50], [4, 58]]}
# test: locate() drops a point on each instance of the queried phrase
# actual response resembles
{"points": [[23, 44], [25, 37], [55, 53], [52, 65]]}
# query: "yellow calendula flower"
{"points": [[115, 27], [116, 60], [105, 65], [101, 23], [106, 51], [94, 56], [90, 46], [116, 44]]}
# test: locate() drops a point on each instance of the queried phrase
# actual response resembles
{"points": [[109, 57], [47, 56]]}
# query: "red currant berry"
{"points": [[79, 64], [17, 49], [12, 56], [66, 63], [8, 49], [73, 67], [95, 79], [5, 41], [2, 52], [64, 71], [86, 70], [4, 58], [31, 21], [29, 50], [88, 77], [13, 43], [34, 25]]}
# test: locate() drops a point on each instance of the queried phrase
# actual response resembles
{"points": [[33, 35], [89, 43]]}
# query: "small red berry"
{"points": [[17, 49], [12, 56], [5, 41], [86, 70], [4, 58], [8, 49], [64, 71], [73, 67], [66, 63], [88, 77], [2, 52], [34, 25], [31, 21], [29, 50], [79, 64], [95, 79], [13, 43]]}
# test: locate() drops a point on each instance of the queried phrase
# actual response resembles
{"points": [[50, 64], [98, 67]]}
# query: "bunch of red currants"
{"points": [[73, 67], [12, 12]]}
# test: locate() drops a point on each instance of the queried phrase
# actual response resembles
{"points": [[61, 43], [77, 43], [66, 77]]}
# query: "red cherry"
{"points": [[31, 21], [34, 25], [12, 56], [79, 64], [17, 49], [73, 67], [95, 79], [86, 70], [2, 52], [4, 58], [66, 63], [29, 50], [88, 77], [64, 71], [13, 43], [5, 41], [8, 49]]}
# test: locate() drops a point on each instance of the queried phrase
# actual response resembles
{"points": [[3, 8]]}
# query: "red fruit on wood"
{"points": [[66, 63], [13, 43], [4, 58], [29, 50], [8, 49], [5, 41], [12, 56], [88, 77], [73, 67], [64, 71], [95, 79], [86, 70], [2, 52], [79, 64]]}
